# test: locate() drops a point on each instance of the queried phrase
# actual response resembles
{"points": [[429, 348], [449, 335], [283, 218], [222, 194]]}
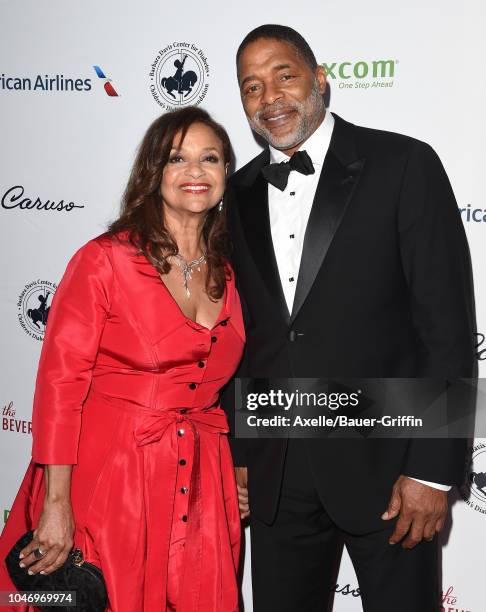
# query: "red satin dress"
{"points": [[127, 390]]}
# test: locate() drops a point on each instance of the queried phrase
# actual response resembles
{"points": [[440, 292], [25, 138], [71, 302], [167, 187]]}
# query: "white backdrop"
{"points": [[412, 67]]}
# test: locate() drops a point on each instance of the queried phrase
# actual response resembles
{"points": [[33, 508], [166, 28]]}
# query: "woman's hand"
{"points": [[54, 537], [241, 474], [55, 531]]}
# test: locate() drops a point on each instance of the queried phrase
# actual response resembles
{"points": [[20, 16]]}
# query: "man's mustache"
{"points": [[273, 109]]}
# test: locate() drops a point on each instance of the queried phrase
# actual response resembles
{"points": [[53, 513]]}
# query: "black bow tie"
{"points": [[278, 174]]}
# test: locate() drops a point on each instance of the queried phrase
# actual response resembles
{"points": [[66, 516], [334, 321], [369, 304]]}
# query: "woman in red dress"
{"points": [[130, 457]]}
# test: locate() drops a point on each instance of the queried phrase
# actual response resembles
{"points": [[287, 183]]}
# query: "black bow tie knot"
{"points": [[278, 174]]}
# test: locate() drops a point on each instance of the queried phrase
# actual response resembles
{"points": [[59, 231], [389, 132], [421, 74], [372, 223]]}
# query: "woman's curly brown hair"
{"points": [[142, 214]]}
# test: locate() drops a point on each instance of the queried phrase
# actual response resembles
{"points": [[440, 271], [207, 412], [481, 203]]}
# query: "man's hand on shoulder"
{"points": [[421, 511]]}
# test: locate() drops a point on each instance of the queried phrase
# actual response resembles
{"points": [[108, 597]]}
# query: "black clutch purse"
{"points": [[75, 574]]}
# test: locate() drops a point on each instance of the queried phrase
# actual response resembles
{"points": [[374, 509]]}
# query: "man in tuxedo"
{"points": [[351, 261]]}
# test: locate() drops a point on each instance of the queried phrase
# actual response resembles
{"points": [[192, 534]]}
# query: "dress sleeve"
{"points": [[75, 323]]}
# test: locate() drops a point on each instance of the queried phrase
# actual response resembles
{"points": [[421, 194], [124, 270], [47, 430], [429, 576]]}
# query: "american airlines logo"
{"points": [[470, 214]]}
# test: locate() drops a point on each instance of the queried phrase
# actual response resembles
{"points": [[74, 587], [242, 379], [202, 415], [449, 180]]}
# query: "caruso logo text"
{"points": [[362, 74]]}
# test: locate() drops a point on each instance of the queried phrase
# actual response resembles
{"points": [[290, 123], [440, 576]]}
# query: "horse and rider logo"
{"points": [[181, 82], [179, 76], [33, 306], [474, 489]]}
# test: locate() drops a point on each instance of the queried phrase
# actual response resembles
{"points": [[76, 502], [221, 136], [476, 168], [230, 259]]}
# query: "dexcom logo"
{"points": [[362, 74]]}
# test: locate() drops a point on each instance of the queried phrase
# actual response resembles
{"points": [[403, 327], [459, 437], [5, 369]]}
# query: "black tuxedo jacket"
{"points": [[384, 290]]}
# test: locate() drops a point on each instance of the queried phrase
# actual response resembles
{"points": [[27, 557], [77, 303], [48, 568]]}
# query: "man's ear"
{"points": [[321, 78]]}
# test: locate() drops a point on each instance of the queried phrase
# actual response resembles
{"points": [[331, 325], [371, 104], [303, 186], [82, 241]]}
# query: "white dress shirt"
{"points": [[290, 209], [289, 212]]}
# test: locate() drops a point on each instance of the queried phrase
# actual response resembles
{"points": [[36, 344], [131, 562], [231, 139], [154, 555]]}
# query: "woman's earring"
{"points": [[220, 205]]}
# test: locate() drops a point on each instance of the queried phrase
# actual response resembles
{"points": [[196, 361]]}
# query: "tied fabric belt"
{"points": [[160, 474]]}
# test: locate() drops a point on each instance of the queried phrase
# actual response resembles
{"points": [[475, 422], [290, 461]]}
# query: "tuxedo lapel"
{"points": [[339, 177], [255, 220]]}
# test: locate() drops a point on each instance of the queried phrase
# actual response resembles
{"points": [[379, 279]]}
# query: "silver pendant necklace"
{"points": [[187, 269]]}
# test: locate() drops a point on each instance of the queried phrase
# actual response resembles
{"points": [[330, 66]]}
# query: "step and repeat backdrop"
{"points": [[81, 81]]}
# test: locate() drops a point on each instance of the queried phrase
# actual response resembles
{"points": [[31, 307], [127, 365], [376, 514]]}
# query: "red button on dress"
{"points": [[113, 390]]}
